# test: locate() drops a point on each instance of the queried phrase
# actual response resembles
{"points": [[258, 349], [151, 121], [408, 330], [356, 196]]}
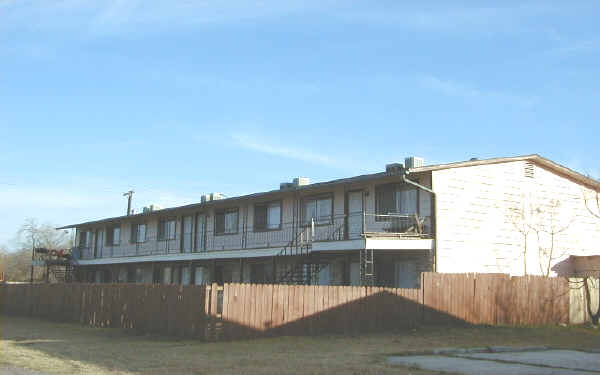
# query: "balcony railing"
{"points": [[336, 228]]}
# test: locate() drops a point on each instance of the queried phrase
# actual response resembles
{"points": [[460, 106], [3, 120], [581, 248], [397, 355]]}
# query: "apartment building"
{"points": [[377, 229]]}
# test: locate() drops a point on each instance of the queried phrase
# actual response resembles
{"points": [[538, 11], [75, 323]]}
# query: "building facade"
{"points": [[379, 229]]}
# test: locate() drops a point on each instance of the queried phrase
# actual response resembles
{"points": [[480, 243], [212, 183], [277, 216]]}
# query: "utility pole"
{"points": [[129, 194]]}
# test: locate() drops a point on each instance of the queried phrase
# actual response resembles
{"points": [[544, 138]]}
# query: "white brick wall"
{"points": [[475, 229]]}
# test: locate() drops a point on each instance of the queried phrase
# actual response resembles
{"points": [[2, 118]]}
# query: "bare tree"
{"points": [[32, 235], [522, 218], [551, 222], [592, 202]]}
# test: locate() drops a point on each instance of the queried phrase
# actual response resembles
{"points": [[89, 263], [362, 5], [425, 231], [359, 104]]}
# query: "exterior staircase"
{"points": [[62, 273], [307, 264]]}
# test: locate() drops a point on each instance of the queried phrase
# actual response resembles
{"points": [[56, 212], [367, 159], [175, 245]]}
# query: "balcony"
{"points": [[317, 233]]}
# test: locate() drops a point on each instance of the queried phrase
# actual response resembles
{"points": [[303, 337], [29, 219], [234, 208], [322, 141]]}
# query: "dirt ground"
{"points": [[56, 348]]}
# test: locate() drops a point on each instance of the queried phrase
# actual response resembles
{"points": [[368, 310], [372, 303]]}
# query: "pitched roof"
{"points": [[535, 158]]}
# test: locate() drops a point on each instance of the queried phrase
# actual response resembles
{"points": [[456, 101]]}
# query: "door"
{"points": [[200, 233], [354, 224], [99, 243], [188, 228], [324, 275]]}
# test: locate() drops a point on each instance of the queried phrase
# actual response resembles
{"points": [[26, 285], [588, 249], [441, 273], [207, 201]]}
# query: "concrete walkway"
{"points": [[546, 362], [11, 370]]}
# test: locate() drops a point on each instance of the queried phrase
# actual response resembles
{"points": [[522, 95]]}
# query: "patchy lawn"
{"points": [[70, 348]]}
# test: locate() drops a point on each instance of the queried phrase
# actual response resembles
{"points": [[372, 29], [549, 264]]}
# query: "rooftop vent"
{"points": [[473, 159], [394, 168], [211, 197], [298, 181], [151, 208], [301, 181], [528, 170], [414, 162]]}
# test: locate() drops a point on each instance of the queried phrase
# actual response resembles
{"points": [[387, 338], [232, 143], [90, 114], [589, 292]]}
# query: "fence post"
{"points": [[422, 298]]}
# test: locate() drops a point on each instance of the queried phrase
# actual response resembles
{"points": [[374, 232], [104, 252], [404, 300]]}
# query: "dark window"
{"points": [[106, 276], [85, 238], [82, 239], [396, 199], [166, 229], [138, 233], [113, 236], [319, 209], [258, 273], [267, 216], [385, 199], [226, 222], [131, 274]]}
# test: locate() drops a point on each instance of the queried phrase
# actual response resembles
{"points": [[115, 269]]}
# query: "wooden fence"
{"points": [[235, 311]]}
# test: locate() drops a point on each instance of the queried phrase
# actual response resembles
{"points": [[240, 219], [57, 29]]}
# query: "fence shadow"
{"points": [[238, 311]]}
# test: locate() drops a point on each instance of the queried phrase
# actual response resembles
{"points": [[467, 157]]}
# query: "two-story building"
{"points": [[383, 228]]}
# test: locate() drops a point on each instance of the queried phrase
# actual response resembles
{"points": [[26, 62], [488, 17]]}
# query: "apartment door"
{"points": [[200, 232], [99, 243], [188, 229], [354, 224]]}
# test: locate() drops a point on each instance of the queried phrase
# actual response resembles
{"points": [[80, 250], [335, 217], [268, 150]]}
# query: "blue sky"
{"points": [[179, 98]]}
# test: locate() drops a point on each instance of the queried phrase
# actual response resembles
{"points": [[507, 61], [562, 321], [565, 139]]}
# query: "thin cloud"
{"points": [[106, 17], [458, 19], [304, 154], [461, 90]]}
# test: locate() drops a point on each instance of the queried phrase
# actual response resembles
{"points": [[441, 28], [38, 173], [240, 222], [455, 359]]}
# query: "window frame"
{"points": [[223, 212], [316, 198], [163, 233], [197, 215], [397, 187], [83, 238], [266, 225], [134, 233], [110, 235]]}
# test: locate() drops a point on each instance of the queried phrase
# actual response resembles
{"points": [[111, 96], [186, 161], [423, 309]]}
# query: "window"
{"points": [[318, 209], [89, 239], [226, 222], [138, 233], [267, 216], [86, 238], [113, 236], [396, 199], [166, 229]]}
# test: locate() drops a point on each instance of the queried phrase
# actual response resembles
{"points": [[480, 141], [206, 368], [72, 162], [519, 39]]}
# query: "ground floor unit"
{"points": [[394, 268]]}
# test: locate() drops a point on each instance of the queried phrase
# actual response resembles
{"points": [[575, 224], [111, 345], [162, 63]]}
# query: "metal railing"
{"points": [[331, 228], [399, 224]]}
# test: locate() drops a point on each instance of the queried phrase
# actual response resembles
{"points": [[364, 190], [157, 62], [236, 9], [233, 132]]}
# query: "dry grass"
{"points": [[70, 348]]}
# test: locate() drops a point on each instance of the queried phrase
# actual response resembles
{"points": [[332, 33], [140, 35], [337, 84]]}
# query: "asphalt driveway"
{"points": [[533, 362]]}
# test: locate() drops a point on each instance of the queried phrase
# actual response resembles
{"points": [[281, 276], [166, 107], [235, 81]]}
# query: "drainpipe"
{"points": [[433, 210]]}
